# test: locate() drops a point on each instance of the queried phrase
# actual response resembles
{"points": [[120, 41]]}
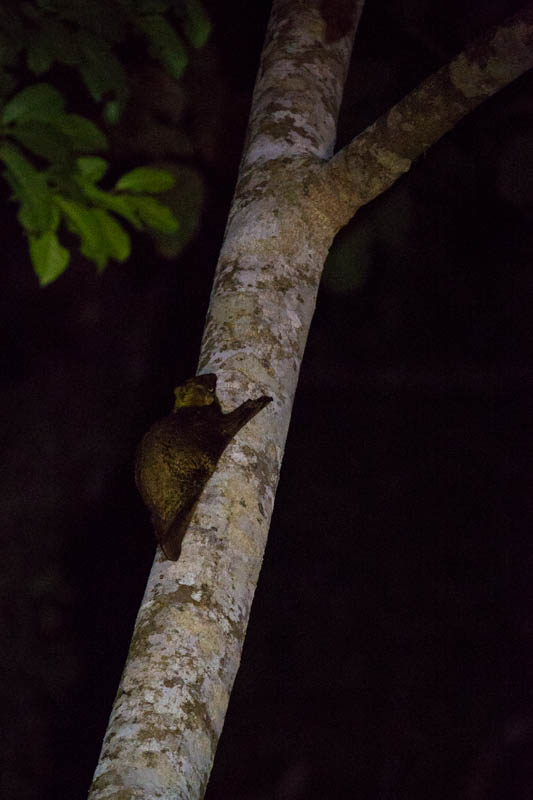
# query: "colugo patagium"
{"points": [[179, 453]]}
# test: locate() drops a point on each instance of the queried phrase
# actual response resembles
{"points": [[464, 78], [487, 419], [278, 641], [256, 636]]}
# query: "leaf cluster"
{"points": [[49, 155], [87, 35]]}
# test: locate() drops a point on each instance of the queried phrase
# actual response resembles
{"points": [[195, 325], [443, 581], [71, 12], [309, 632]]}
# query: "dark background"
{"points": [[389, 650]]}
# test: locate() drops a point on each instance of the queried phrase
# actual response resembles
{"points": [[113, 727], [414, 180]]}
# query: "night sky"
{"points": [[389, 653]]}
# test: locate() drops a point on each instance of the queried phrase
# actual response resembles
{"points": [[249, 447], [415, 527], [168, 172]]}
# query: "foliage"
{"points": [[48, 154]]}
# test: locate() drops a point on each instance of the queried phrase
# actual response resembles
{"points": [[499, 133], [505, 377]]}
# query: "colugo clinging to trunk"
{"points": [[179, 453]]}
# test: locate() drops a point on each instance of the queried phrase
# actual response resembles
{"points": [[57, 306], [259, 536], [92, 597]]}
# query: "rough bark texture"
{"points": [[376, 158], [186, 647], [288, 204]]}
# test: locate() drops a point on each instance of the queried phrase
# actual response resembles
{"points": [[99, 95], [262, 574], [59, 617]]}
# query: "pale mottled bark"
{"points": [[288, 203], [376, 158], [186, 648]]}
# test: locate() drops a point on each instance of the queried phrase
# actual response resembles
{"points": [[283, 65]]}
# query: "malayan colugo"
{"points": [[179, 453]]}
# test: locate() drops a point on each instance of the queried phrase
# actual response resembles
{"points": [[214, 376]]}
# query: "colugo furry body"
{"points": [[179, 453]]}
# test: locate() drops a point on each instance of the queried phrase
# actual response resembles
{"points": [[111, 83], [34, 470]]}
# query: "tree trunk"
{"points": [[290, 200]]}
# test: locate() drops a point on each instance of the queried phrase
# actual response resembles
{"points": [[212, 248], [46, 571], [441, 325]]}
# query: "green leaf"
{"points": [[43, 140], [85, 136], [112, 111], [82, 221], [114, 202], [31, 189], [146, 179], [165, 44], [25, 219], [118, 241], [196, 23], [93, 168], [101, 71], [185, 200], [48, 257], [34, 102], [63, 179], [153, 213]]}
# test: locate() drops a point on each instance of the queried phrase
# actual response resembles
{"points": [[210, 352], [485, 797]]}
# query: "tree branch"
{"points": [[376, 158], [301, 119], [288, 203]]}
